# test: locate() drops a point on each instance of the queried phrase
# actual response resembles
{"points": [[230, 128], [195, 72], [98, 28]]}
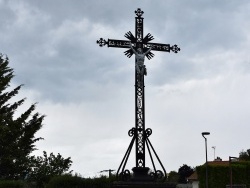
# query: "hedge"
{"points": [[219, 176], [11, 184]]}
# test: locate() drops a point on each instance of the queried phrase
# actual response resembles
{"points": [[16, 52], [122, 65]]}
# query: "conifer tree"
{"points": [[17, 134]]}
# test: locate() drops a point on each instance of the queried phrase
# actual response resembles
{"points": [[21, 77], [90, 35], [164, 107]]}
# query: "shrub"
{"points": [[65, 181], [70, 181], [11, 184], [219, 176]]}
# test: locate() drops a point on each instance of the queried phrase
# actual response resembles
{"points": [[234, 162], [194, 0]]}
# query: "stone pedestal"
{"points": [[141, 179], [134, 184], [141, 174]]}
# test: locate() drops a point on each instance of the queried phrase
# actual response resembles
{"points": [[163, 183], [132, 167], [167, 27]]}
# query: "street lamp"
{"points": [[231, 174], [203, 134], [214, 151]]}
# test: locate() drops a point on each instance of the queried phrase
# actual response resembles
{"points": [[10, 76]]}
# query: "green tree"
{"points": [[184, 172], [244, 155], [45, 167], [173, 177], [16, 134]]}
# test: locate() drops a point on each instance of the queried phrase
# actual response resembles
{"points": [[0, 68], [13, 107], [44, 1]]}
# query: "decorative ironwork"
{"points": [[132, 132], [139, 135], [140, 124], [175, 48], [147, 38], [102, 42], [130, 36], [118, 43], [148, 132], [150, 55], [125, 175], [129, 53], [139, 12], [158, 175]]}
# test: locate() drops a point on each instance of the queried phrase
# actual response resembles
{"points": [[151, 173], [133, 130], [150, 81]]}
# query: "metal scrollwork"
{"points": [[159, 175], [126, 175], [148, 132], [131, 132], [175, 48], [139, 12], [102, 42], [152, 175]]}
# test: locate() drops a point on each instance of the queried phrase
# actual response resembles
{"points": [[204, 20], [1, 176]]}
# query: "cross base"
{"points": [[119, 184], [141, 174]]}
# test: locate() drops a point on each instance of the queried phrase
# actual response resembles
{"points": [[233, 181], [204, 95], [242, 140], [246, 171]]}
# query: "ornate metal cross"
{"points": [[138, 133]]}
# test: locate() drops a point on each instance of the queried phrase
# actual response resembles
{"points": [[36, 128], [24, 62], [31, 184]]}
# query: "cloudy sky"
{"points": [[87, 92]]}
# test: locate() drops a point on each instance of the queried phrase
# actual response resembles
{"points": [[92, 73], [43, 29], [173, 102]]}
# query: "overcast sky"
{"points": [[87, 92]]}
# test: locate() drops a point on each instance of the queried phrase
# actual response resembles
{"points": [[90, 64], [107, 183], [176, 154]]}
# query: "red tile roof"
{"points": [[222, 163], [193, 176]]}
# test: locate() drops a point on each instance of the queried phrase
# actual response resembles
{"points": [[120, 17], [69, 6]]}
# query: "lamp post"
{"points": [[231, 173], [214, 151], [203, 134]]}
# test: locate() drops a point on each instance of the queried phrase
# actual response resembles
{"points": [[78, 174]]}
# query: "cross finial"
{"points": [[139, 12]]}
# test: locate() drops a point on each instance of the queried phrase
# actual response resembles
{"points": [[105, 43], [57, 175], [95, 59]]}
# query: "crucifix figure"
{"points": [[141, 47], [139, 62]]}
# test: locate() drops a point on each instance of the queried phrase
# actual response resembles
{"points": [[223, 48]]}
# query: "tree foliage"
{"points": [[17, 138], [184, 172], [45, 167], [244, 155], [173, 177], [16, 134]]}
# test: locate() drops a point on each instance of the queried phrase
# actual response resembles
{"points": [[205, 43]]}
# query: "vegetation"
{"points": [[46, 167], [184, 172], [68, 180], [219, 175], [173, 177], [244, 155], [63, 181], [11, 184], [17, 139], [16, 134]]}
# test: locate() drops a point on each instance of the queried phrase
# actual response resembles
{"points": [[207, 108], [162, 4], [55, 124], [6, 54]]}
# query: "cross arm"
{"points": [[163, 47], [146, 45], [114, 43], [117, 44]]}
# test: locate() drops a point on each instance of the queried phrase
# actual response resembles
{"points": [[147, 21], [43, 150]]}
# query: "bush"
{"points": [[219, 176], [11, 184], [65, 181], [69, 181]]}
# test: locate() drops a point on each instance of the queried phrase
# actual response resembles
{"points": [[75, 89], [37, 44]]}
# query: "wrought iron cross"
{"points": [[139, 134]]}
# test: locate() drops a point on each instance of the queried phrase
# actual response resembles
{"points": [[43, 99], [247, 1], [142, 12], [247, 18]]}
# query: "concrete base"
{"points": [[141, 185], [141, 174]]}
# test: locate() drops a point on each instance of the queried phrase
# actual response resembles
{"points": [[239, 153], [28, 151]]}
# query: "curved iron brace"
{"points": [[124, 160], [156, 172]]}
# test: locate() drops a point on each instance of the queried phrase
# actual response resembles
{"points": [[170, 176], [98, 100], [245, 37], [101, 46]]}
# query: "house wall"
{"points": [[195, 184], [184, 186]]}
